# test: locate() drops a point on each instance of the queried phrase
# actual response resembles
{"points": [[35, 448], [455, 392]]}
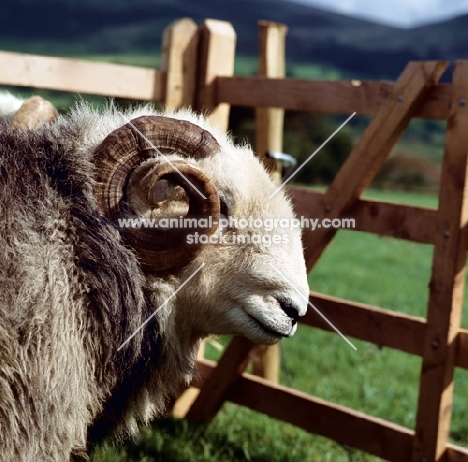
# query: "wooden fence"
{"points": [[197, 70]]}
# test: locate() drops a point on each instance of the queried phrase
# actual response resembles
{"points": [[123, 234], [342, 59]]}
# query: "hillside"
{"points": [[354, 46]]}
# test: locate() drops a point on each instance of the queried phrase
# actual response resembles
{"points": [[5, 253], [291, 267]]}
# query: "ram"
{"points": [[104, 299]]}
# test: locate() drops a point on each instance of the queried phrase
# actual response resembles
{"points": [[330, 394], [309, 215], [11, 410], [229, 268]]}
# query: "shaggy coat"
{"points": [[72, 292]]}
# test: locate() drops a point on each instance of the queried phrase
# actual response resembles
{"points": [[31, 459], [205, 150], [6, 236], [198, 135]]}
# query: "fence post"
{"points": [[216, 58], [178, 64], [269, 137], [269, 121], [447, 283], [215, 389], [187, 398], [213, 53]]}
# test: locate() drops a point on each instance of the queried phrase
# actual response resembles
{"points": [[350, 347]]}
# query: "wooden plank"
{"points": [[213, 393], [447, 283], [436, 104], [328, 97], [346, 426], [411, 223], [383, 328], [216, 58], [304, 95], [81, 76], [455, 454], [265, 361], [179, 59], [373, 148], [187, 398], [408, 222], [378, 326], [269, 121], [462, 349], [184, 402], [269, 137]]}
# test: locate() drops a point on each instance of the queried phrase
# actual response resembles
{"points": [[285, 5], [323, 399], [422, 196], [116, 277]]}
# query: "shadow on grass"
{"points": [[176, 440]]}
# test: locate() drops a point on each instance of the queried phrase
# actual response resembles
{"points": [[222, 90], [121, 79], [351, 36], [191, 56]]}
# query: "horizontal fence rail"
{"points": [[75, 75], [383, 328], [329, 97], [407, 222]]}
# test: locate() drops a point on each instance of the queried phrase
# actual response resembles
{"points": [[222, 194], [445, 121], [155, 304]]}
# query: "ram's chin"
{"points": [[262, 338], [259, 332]]}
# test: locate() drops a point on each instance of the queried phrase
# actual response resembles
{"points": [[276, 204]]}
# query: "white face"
{"points": [[257, 289]]}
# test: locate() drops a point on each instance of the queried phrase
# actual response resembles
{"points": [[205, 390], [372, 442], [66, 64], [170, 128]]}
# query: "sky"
{"points": [[401, 13]]}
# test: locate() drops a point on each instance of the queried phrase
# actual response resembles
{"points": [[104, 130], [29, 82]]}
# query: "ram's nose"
{"points": [[291, 310]]}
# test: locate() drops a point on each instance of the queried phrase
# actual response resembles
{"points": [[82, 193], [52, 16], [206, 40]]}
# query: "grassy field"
{"points": [[381, 382]]}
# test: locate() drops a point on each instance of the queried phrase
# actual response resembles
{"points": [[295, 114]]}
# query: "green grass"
{"points": [[236, 434], [381, 382], [403, 197]]}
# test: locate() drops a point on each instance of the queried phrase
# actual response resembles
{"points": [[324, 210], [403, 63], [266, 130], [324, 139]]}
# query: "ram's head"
{"points": [[157, 167]]}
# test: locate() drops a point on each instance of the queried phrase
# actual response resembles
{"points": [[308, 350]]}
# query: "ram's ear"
{"points": [[161, 191], [152, 196], [33, 113], [169, 199]]}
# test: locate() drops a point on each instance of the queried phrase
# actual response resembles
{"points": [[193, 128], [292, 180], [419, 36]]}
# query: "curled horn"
{"points": [[129, 169], [33, 113]]}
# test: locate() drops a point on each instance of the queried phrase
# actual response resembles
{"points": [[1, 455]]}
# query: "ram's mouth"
{"points": [[267, 329]]}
